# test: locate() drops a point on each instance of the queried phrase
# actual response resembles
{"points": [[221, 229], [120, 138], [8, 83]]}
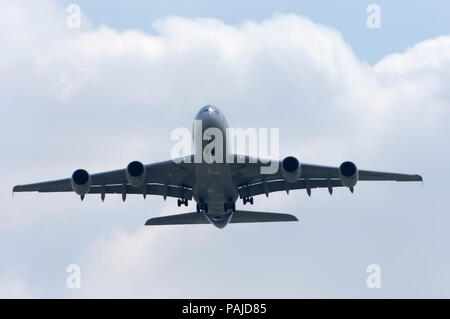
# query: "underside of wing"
{"points": [[168, 179], [289, 174], [268, 187], [384, 176]]}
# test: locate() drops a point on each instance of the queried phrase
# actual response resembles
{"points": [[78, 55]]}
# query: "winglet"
{"points": [[420, 178]]}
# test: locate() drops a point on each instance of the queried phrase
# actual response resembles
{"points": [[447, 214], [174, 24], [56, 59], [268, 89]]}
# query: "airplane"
{"points": [[214, 186]]}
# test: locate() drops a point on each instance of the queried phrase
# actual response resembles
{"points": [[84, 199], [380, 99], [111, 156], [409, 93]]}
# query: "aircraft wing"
{"points": [[252, 182], [169, 179], [164, 178], [318, 171]]}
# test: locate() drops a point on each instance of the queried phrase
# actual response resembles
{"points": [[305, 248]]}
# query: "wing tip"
{"points": [[289, 218], [410, 178]]}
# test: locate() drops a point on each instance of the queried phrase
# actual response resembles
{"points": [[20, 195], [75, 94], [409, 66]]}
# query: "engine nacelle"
{"points": [[348, 173], [136, 174], [81, 182], [290, 169]]}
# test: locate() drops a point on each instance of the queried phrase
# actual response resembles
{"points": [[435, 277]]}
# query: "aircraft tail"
{"points": [[239, 216]]}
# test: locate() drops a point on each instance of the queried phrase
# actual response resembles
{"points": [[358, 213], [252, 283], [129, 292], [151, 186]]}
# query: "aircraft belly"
{"points": [[215, 186]]}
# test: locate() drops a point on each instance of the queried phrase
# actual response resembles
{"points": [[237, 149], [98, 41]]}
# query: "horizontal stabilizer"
{"points": [[181, 219], [243, 216], [239, 216]]}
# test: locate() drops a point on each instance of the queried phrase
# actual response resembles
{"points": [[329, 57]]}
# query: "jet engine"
{"points": [[348, 173], [136, 174], [290, 169], [81, 182]]}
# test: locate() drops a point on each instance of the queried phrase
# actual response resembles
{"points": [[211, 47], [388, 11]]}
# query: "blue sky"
{"points": [[113, 91]]}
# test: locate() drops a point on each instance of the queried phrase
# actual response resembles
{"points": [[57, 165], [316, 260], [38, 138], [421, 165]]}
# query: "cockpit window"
{"points": [[209, 108]]}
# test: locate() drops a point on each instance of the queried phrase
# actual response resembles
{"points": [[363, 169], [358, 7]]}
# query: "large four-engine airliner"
{"points": [[215, 186]]}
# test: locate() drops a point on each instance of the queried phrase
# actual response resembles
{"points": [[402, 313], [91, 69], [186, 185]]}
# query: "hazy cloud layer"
{"points": [[98, 98]]}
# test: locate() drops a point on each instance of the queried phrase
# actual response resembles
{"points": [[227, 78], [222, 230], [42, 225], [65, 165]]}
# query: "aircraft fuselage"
{"points": [[214, 185]]}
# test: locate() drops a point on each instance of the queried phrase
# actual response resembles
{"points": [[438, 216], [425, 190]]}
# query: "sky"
{"points": [[113, 90]]}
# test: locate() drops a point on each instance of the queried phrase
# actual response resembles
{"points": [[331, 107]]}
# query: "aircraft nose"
{"points": [[207, 110], [210, 116]]}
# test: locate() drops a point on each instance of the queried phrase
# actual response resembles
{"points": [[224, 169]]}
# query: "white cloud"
{"points": [[97, 98], [135, 263], [13, 286]]}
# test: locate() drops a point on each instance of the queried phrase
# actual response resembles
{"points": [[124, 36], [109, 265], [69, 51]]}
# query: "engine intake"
{"points": [[290, 169], [81, 182], [136, 174], [348, 173]]}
